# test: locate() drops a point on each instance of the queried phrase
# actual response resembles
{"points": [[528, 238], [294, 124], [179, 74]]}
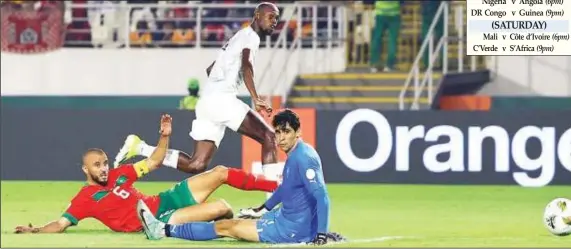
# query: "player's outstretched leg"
{"points": [[204, 184], [205, 211], [197, 231], [201, 186], [204, 151], [176, 159], [255, 128]]}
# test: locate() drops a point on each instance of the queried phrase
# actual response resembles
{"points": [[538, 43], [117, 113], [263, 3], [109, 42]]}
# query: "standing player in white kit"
{"points": [[218, 106]]}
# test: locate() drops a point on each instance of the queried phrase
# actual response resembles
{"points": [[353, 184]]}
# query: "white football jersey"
{"points": [[226, 74]]}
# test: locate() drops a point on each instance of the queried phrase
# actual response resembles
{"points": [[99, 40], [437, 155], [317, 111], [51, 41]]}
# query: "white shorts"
{"points": [[216, 112]]}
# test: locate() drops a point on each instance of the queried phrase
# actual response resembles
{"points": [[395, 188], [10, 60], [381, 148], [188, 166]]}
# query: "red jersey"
{"points": [[115, 205]]}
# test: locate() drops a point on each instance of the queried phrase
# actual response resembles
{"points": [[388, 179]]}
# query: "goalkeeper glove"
{"points": [[320, 239], [253, 213]]}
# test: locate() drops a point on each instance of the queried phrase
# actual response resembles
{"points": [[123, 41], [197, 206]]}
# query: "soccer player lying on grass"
{"points": [[303, 217], [109, 195]]}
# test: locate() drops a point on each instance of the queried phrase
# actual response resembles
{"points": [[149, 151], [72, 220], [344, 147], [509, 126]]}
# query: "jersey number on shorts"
{"points": [[121, 193]]}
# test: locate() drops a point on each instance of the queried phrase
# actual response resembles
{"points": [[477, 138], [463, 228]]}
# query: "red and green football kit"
{"points": [[115, 204]]}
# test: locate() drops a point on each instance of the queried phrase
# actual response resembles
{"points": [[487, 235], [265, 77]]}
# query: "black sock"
{"points": [[167, 230]]}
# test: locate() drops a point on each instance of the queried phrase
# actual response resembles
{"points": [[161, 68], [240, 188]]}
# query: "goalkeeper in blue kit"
{"points": [[302, 218]]}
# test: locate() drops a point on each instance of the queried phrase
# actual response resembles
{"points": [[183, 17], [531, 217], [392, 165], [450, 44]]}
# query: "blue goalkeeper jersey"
{"points": [[303, 194]]}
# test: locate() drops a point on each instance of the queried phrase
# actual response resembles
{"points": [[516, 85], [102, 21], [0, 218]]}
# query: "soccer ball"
{"points": [[555, 214]]}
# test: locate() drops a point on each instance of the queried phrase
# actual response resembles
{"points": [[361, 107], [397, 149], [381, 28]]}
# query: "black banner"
{"points": [[362, 146], [527, 148], [48, 144]]}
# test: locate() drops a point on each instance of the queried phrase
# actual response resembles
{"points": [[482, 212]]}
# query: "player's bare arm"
{"points": [[248, 73], [56, 226], [209, 68], [156, 159]]}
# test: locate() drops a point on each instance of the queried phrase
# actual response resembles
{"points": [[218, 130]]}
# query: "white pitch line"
{"points": [[370, 240]]}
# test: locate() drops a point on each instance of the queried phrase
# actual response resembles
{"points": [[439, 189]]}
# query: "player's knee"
{"points": [[224, 210], [197, 165], [220, 169], [221, 172], [224, 227], [226, 205], [191, 165]]}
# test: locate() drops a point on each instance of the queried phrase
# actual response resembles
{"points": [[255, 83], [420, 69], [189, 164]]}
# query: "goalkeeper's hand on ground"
{"points": [[252, 213], [320, 239], [336, 237]]}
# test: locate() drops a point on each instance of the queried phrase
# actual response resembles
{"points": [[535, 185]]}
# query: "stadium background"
{"points": [[81, 74]]}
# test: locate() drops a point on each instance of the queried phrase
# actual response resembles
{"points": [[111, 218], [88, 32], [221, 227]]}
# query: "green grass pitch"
{"points": [[423, 216]]}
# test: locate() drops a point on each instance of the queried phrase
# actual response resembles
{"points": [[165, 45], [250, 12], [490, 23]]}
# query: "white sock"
{"points": [[145, 149], [272, 172], [171, 159]]}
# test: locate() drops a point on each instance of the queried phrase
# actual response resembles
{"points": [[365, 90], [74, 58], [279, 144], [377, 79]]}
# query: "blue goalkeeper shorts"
{"points": [[274, 229]]}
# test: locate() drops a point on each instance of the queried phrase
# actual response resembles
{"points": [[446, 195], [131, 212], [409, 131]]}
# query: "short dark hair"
{"points": [[285, 117], [91, 150], [266, 6]]}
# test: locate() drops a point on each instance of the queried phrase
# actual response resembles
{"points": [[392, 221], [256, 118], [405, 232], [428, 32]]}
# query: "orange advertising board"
{"points": [[466, 103]]}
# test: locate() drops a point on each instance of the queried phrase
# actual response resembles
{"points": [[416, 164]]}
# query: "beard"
{"points": [[99, 180], [268, 32]]}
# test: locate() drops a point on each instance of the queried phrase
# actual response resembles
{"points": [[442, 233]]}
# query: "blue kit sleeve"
{"points": [[275, 199], [312, 177]]}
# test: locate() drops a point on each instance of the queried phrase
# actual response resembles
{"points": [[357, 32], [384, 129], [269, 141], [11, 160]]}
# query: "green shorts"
{"points": [[179, 196]]}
